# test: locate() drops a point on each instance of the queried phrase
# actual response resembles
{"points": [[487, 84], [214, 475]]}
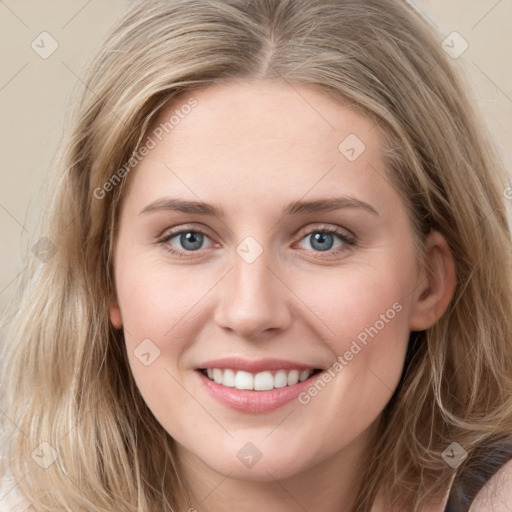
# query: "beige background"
{"points": [[34, 92]]}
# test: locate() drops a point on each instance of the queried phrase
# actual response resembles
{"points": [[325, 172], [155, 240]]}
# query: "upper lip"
{"points": [[255, 365]]}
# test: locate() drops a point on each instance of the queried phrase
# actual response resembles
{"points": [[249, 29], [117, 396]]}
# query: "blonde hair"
{"points": [[65, 378]]}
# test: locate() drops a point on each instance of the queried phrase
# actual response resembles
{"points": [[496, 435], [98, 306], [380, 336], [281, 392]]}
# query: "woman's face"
{"points": [[260, 240]]}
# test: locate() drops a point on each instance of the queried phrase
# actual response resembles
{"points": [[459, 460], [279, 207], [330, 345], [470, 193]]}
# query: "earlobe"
{"points": [[115, 315], [436, 284]]}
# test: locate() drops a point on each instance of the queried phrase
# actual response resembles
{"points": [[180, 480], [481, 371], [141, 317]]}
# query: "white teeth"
{"points": [[228, 378], [293, 377], [243, 380], [217, 375], [304, 375], [262, 381], [280, 379]]}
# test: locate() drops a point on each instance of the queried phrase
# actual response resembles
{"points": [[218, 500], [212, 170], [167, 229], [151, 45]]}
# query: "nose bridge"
{"points": [[252, 278], [252, 299]]}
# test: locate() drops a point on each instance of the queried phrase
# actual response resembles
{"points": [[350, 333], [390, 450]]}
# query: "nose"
{"points": [[254, 300]]}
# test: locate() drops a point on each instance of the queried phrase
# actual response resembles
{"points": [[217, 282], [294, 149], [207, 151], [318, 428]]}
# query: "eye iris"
{"points": [[196, 239], [320, 238]]}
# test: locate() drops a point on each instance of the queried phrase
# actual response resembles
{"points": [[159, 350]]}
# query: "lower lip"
{"points": [[255, 401]]}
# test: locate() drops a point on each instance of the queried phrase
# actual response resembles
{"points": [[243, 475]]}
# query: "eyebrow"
{"points": [[295, 208]]}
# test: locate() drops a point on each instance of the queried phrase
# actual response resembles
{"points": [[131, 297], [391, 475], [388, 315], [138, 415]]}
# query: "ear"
{"points": [[435, 285], [114, 314]]}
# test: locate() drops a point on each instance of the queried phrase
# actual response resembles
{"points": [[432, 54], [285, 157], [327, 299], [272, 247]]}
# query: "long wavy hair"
{"points": [[65, 378]]}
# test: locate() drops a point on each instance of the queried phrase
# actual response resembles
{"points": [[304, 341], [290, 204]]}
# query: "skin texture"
{"points": [[496, 495], [251, 148]]}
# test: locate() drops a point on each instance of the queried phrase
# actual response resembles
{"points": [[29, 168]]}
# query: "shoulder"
{"points": [[496, 495], [10, 498]]}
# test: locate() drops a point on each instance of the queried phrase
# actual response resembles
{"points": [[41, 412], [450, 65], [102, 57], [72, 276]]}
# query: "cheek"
{"points": [[153, 315], [155, 299], [159, 305], [367, 312], [363, 304]]}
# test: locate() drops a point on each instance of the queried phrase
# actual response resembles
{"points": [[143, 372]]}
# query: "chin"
{"points": [[257, 462]]}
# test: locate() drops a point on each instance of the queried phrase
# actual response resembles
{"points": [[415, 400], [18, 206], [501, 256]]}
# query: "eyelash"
{"points": [[324, 230]]}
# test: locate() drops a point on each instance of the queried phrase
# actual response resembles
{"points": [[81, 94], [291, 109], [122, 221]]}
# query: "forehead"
{"points": [[273, 110], [260, 137]]}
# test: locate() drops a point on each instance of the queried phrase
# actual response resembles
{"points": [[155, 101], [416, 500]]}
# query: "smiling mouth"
{"points": [[261, 381]]}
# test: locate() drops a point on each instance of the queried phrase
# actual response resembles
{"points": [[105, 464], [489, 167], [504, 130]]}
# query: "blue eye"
{"points": [[189, 239], [321, 240]]}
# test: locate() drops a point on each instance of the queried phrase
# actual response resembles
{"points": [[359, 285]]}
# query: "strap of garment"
{"points": [[476, 472]]}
